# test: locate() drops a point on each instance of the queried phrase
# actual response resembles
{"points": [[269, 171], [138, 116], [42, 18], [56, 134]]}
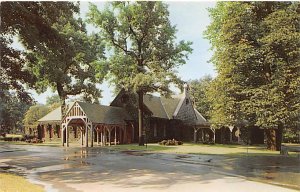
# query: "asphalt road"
{"points": [[98, 169]]}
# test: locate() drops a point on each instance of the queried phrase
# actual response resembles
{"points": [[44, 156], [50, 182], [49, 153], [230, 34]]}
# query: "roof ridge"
{"points": [[164, 108], [179, 106], [100, 105]]}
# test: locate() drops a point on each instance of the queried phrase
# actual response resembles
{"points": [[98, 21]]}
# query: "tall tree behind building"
{"points": [[198, 91], [144, 52]]}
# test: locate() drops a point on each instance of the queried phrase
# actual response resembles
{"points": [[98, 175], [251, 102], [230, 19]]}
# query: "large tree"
{"points": [[70, 66], [31, 23], [34, 113], [144, 51], [12, 110], [256, 53], [199, 93]]}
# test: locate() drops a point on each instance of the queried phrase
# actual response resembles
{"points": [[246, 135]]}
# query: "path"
{"points": [[96, 169]]}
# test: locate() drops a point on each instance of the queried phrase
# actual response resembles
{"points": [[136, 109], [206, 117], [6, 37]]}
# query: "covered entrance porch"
{"points": [[104, 125]]}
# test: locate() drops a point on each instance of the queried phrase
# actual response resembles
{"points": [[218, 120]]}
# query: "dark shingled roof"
{"points": [[155, 105], [170, 105], [200, 119], [96, 113], [104, 114]]}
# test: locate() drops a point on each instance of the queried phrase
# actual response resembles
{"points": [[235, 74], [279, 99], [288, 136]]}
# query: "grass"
{"points": [[202, 149], [49, 144], [10, 182], [14, 136]]}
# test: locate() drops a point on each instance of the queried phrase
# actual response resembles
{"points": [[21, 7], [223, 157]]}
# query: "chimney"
{"points": [[185, 89]]}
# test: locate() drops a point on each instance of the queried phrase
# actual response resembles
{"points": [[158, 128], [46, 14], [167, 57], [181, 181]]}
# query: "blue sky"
{"points": [[191, 19]]}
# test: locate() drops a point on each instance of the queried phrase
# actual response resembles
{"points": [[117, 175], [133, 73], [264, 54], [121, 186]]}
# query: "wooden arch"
{"points": [[76, 113]]}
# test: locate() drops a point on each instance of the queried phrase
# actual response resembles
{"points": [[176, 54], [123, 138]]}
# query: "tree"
{"points": [[52, 99], [256, 53], [144, 53], [31, 23], [34, 113], [12, 110], [70, 66], [199, 89]]}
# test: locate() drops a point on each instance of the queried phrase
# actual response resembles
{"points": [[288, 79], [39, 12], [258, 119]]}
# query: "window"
{"points": [[187, 101]]}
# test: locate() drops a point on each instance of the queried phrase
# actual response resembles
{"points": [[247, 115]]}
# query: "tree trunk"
{"points": [[141, 119], [271, 139], [279, 136], [62, 97]]}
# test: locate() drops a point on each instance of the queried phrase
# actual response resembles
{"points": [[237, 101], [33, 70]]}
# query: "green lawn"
{"points": [[10, 182], [192, 148], [50, 144]]}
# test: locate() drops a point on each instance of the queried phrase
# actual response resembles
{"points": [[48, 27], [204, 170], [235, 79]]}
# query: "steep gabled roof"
{"points": [[104, 114], [96, 113], [170, 105], [54, 115], [154, 104]]}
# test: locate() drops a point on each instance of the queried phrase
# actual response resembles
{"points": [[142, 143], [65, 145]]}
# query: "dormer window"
{"points": [[187, 101]]}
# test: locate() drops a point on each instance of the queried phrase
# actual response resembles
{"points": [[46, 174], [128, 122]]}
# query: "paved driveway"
{"points": [[98, 169]]}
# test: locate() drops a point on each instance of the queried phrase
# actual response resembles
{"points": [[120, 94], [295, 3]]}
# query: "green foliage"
{"points": [[199, 93], [12, 110], [71, 65], [144, 52], [31, 22], [256, 53], [52, 99], [34, 113]]}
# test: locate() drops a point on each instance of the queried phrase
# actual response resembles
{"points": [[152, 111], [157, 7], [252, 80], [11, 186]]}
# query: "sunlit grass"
{"points": [[13, 183], [49, 144], [201, 149]]}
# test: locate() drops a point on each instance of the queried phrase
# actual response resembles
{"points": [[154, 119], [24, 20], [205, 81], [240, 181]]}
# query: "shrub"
{"points": [[170, 142]]}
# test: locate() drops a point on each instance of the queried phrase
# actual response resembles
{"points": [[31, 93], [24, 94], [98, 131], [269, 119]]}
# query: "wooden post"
{"points": [[62, 135], [102, 139], [81, 128], [115, 140], [92, 135], [97, 132], [202, 135], [109, 130], [67, 136], [86, 135], [195, 135]]}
